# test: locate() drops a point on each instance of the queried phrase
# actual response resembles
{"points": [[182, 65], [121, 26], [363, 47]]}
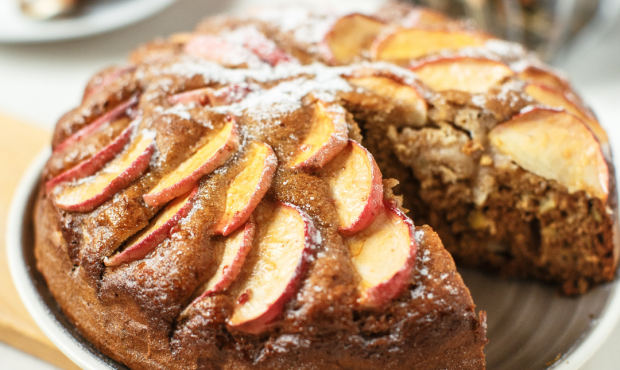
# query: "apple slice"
{"points": [[284, 242], [94, 163], [557, 99], [90, 192], [349, 37], [557, 146], [218, 149], [104, 80], [111, 115], [356, 187], [248, 187], [208, 96], [413, 104], [326, 137], [264, 48], [405, 44], [474, 75], [543, 77], [196, 96], [384, 254], [158, 229], [236, 248], [425, 18], [218, 50]]}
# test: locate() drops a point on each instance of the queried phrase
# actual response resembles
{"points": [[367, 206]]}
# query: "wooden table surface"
{"points": [[19, 144]]}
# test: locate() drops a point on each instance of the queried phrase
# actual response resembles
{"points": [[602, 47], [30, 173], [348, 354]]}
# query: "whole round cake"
{"points": [[251, 195]]}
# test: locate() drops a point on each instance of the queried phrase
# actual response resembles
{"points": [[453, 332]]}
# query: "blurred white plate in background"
{"points": [[92, 18]]}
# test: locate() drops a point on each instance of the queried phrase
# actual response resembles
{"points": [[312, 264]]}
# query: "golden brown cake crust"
{"points": [[266, 78], [419, 329]]}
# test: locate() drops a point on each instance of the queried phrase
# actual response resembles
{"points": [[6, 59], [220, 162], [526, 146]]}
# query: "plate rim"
{"points": [[581, 351], [153, 7]]}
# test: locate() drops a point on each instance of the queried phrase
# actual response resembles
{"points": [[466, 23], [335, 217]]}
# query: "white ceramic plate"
{"points": [[529, 324], [93, 17]]}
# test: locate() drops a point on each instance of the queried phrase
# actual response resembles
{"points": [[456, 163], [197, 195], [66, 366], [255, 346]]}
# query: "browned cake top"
{"points": [[220, 159]]}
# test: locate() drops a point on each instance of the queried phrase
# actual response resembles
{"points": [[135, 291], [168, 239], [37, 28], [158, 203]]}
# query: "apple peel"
{"points": [[384, 255], [404, 44], [356, 186], [90, 192], [248, 187], [209, 157], [94, 163], [284, 241], [557, 146], [557, 99], [236, 248], [349, 37], [111, 115], [141, 244], [474, 75], [326, 137]]}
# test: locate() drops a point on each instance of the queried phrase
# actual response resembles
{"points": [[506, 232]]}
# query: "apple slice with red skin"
{"points": [[283, 244], [544, 77], [557, 146], [248, 187], [326, 137], [90, 192], [408, 97], [216, 49], [404, 44], [474, 75], [94, 163], [384, 255], [208, 96], [426, 18], [557, 99], [264, 48], [158, 229], [220, 147], [111, 115], [236, 248], [356, 187], [106, 80], [349, 37]]}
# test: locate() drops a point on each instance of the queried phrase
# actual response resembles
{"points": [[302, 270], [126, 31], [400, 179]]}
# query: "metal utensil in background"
{"points": [[544, 26], [46, 9]]}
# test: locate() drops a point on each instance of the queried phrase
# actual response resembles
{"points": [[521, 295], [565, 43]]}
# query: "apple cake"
{"points": [[252, 194]]}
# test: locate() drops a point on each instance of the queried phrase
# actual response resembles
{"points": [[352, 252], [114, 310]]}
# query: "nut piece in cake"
{"points": [[411, 102], [112, 115], [156, 232], [94, 163], [284, 241], [557, 99], [219, 147], [405, 44], [349, 37], [383, 254], [248, 187], [557, 146], [236, 248], [474, 75], [87, 193], [356, 187], [326, 137]]}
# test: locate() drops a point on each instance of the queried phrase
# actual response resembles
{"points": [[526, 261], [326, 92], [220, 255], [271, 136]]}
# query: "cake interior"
{"points": [[502, 219]]}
